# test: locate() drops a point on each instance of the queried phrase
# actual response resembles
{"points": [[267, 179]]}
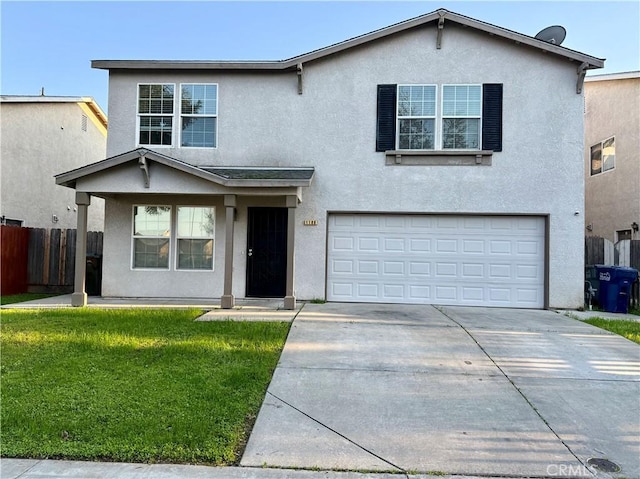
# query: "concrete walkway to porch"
{"points": [[260, 309]]}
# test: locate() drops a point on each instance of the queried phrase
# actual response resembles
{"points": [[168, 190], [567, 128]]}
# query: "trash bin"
{"points": [[93, 278], [615, 287]]}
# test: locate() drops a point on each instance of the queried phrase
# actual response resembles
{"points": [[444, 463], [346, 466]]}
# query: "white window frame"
{"points": [[180, 115], [601, 143], [178, 238], [172, 263], [438, 144], [141, 115], [411, 117], [441, 117], [134, 237]]}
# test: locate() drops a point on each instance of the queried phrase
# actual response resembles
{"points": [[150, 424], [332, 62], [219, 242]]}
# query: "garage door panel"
{"points": [[419, 245], [470, 260], [473, 246], [419, 268], [342, 243], [368, 267], [394, 245]]}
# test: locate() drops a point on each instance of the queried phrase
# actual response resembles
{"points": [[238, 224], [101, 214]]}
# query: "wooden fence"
{"points": [[49, 262], [14, 248]]}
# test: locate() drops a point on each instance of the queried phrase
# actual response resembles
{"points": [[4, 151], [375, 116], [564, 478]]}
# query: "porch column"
{"points": [[79, 296], [290, 299], [228, 301]]}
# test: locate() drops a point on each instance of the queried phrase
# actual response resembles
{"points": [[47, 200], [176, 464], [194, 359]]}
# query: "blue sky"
{"points": [[51, 44]]}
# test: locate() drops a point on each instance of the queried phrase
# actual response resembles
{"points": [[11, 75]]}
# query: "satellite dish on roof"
{"points": [[554, 34]]}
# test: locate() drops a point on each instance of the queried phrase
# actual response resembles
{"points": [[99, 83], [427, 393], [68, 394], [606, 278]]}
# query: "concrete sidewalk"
{"points": [[47, 469], [463, 391]]}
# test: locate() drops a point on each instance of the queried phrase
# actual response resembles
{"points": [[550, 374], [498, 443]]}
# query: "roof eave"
{"points": [[282, 183], [291, 63], [186, 65], [593, 62]]}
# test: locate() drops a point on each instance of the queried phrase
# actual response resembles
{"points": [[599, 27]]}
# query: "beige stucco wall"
{"points": [[612, 198], [331, 126], [40, 140]]}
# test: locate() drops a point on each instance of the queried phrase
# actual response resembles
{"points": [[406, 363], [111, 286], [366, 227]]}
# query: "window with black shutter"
{"points": [[492, 116], [386, 124], [456, 124]]}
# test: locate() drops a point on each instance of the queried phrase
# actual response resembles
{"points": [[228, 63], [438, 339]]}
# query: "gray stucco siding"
{"points": [[40, 140], [331, 126]]}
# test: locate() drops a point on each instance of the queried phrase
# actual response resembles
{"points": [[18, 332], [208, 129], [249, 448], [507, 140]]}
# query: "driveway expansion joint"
{"points": [[351, 441], [533, 407]]}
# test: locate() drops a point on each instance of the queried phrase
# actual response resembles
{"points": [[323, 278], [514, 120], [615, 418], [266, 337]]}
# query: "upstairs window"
{"points": [[410, 117], [461, 112], [199, 115], [416, 117], [155, 114], [603, 156]]}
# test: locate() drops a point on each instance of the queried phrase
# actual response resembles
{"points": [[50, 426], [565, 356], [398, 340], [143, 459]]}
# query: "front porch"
{"points": [[143, 177]]}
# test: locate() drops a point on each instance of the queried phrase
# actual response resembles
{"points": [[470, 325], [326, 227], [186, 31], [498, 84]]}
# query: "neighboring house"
{"points": [[612, 154], [435, 161], [39, 137]]}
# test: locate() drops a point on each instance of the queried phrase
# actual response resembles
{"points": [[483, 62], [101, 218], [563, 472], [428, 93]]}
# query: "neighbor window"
{"points": [[195, 236], [198, 115], [155, 114], [461, 111], [416, 117], [151, 236], [603, 156], [623, 235]]}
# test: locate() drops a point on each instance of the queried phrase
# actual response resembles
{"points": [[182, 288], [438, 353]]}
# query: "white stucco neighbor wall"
{"points": [[40, 140], [332, 126]]}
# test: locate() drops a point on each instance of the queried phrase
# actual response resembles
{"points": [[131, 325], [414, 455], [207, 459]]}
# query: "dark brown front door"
{"points": [[267, 252]]}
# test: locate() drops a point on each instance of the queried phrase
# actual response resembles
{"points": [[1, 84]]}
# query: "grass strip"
{"points": [[132, 385], [625, 328], [19, 298]]}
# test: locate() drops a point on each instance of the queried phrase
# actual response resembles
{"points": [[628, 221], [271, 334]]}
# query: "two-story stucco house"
{"points": [[39, 137], [438, 160], [612, 154]]}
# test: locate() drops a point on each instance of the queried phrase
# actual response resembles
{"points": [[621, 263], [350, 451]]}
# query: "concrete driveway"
{"points": [[455, 390]]}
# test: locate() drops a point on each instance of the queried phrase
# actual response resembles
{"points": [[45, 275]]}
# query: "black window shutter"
{"points": [[492, 116], [386, 121]]}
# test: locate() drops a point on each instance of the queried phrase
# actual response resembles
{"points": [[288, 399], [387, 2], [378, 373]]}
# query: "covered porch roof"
{"points": [[142, 172], [146, 171]]}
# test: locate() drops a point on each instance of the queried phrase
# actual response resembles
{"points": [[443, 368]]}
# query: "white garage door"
{"points": [[463, 260]]}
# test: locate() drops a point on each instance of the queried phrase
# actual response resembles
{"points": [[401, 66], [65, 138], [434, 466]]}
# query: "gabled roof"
{"points": [[439, 16], [227, 176], [88, 101]]}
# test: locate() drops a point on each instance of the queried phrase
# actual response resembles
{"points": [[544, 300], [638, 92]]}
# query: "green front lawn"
{"points": [[628, 329], [132, 385]]}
